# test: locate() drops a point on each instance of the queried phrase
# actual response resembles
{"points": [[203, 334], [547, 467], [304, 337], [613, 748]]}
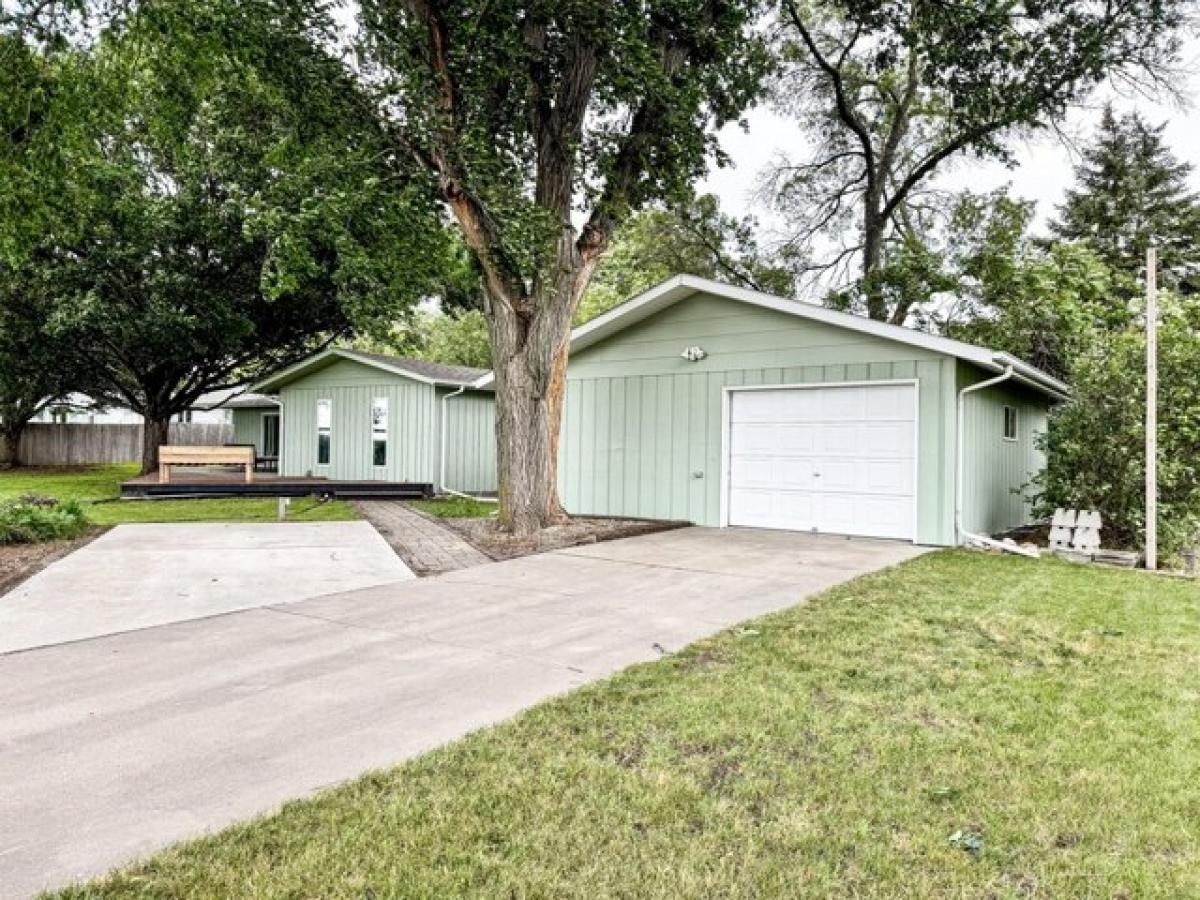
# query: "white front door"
{"points": [[831, 459]]}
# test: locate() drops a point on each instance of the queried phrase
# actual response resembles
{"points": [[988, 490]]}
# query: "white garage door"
{"points": [[832, 459]]}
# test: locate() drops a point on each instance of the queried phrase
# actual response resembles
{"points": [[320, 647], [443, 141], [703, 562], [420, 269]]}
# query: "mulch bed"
{"points": [[486, 536], [21, 561]]}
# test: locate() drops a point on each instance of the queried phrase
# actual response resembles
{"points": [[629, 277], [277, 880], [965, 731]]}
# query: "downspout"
{"points": [[442, 488], [279, 449], [961, 533]]}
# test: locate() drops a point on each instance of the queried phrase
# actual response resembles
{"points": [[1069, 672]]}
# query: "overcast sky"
{"points": [[1044, 170]]}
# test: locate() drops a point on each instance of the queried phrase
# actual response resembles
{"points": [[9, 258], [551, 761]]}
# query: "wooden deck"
{"points": [[197, 482]]}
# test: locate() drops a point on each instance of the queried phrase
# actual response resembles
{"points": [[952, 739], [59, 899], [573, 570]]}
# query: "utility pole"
{"points": [[1151, 408]]}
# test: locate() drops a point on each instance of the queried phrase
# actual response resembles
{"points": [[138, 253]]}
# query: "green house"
{"points": [[721, 406], [353, 416]]}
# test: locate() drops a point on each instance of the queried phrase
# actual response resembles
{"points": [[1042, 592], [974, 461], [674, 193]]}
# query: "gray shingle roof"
{"points": [[434, 371]]}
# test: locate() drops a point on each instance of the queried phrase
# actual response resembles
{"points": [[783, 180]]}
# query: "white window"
{"points": [[379, 431], [324, 430], [1010, 423]]}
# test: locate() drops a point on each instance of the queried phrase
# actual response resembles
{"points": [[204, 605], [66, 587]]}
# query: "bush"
{"points": [[31, 519], [1095, 444]]}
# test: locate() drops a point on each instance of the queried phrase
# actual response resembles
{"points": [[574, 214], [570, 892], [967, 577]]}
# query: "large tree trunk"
{"points": [[155, 431], [530, 347], [12, 445]]}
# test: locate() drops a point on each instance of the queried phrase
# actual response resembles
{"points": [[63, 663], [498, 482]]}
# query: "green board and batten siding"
{"points": [[248, 425], [414, 433], [471, 437], [642, 431], [998, 473]]}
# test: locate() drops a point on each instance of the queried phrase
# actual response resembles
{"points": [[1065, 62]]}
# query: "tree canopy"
{"points": [[230, 205], [892, 91], [694, 237], [1131, 191]]}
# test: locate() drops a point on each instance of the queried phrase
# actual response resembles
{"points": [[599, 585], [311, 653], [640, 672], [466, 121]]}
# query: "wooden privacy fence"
{"points": [[45, 444]]}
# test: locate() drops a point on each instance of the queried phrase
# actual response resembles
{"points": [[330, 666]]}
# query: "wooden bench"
{"points": [[204, 456]]}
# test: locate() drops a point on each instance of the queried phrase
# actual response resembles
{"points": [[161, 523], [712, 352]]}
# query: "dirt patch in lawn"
{"points": [[21, 561], [486, 536]]}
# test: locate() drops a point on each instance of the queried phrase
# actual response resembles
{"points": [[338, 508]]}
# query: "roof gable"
{"points": [[424, 371], [676, 289]]}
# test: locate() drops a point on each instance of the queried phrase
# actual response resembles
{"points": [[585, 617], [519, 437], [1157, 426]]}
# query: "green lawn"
{"points": [[455, 508], [98, 488], [964, 726]]}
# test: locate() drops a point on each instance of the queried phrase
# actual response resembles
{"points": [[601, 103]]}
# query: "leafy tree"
{"points": [[235, 207], [892, 91], [1132, 191], [1049, 309], [1095, 443], [459, 338], [695, 238], [544, 125], [33, 373], [984, 279]]}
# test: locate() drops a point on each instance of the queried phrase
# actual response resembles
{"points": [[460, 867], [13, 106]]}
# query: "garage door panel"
{"points": [[886, 477], [894, 440], [834, 459], [793, 474], [796, 439], [836, 475], [750, 438], [791, 510], [752, 472], [888, 402], [759, 406], [842, 404], [889, 517], [837, 439]]}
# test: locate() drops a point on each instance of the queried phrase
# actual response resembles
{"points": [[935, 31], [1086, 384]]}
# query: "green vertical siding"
{"points": [[414, 428], [642, 427], [352, 387], [247, 428], [997, 473], [470, 440]]}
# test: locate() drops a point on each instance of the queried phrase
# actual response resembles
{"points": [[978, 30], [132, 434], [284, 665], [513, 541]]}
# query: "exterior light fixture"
{"points": [[694, 354]]}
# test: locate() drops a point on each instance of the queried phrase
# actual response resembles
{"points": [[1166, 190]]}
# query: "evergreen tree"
{"points": [[1130, 190]]}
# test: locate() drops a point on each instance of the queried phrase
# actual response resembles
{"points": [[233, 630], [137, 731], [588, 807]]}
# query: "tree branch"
{"points": [[833, 73]]}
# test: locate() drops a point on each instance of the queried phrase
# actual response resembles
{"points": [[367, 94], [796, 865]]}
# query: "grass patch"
{"points": [[233, 509], [961, 726], [84, 483], [455, 508], [97, 489]]}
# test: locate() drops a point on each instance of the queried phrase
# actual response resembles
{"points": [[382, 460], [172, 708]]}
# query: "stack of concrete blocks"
{"points": [[1087, 532], [1061, 528], [1076, 536]]}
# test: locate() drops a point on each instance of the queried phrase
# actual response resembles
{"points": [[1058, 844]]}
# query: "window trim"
{"points": [[1016, 424], [325, 431], [380, 433]]}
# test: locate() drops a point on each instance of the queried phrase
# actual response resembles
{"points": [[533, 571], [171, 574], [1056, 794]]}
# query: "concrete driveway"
{"points": [[111, 748], [139, 576]]}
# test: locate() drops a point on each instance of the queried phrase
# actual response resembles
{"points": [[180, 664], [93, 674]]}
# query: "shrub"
{"points": [[31, 519], [1095, 444]]}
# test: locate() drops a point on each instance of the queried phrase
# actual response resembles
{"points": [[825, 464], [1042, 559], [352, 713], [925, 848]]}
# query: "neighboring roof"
{"points": [[418, 369], [222, 399], [680, 287], [250, 400]]}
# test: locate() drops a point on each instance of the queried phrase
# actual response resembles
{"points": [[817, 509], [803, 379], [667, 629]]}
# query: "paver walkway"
{"points": [[114, 747], [427, 547]]}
